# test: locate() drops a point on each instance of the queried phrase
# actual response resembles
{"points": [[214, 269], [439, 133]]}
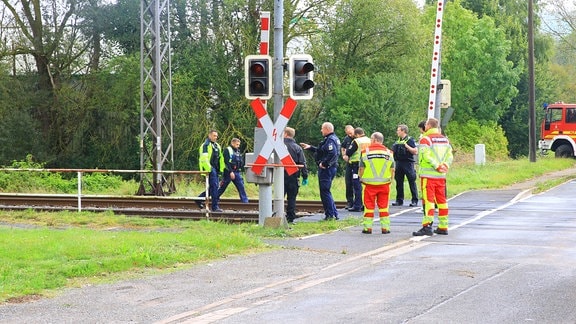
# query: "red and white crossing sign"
{"points": [[274, 139]]}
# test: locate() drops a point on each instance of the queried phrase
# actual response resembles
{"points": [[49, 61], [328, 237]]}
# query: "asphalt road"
{"points": [[510, 257]]}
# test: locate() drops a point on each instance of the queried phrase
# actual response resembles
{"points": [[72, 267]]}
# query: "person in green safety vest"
{"points": [[360, 142], [376, 170], [211, 159], [435, 157]]}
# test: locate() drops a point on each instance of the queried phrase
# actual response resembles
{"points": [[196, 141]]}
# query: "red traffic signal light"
{"points": [[301, 74], [258, 77]]}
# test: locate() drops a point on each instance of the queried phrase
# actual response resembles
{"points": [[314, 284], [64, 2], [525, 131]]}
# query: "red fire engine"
{"points": [[559, 129]]}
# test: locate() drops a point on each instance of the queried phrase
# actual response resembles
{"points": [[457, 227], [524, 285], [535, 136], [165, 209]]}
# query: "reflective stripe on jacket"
{"points": [[232, 159], [377, 162], [206, 151], [362, 143]]}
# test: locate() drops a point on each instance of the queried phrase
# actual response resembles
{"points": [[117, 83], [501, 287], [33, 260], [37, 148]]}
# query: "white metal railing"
{"points": [[79, 173]]}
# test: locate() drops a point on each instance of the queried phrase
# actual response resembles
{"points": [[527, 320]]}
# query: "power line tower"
{"points": [[156, 131]]}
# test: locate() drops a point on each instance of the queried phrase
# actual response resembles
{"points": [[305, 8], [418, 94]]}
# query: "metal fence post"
{"points": [[79, 191]]}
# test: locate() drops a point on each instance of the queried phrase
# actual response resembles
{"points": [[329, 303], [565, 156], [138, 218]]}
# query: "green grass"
{"points": [[501, 174], [34, 260], [43, 252]]}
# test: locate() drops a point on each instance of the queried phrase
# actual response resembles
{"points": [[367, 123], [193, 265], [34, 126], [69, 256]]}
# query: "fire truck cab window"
{"points": [[555, 115], [571, 115]]}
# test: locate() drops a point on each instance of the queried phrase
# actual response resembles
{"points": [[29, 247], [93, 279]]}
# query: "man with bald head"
{"points": [[326, 156]]}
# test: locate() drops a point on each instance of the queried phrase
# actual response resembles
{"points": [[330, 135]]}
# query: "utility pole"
{"points": [[156, 140], [531, 86], [278, 97]]}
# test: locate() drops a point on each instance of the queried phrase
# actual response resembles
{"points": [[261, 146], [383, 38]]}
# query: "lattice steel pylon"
{"points": [[156, 131]]}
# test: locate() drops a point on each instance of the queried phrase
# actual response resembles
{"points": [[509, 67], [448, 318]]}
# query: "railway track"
{"points": [[147, 206]]}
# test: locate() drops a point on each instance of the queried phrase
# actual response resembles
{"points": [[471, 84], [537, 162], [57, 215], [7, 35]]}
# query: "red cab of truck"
{"points": [[558, 132]]}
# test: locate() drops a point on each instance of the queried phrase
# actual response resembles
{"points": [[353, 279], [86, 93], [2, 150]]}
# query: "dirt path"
{"points": [[532, 183]]}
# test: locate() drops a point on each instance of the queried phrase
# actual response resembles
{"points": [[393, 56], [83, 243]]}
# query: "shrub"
{"points": [[465, 136], [40, 181]]}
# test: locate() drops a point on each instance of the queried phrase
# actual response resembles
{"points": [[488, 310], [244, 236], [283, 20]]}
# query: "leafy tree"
{"points": [[209, 69], [375, 103], [19, 133], [474, 59], [119, 22], [368, 37], [51, 33], [511, 17], [41, 36], [372, 66], [562, 25], [77, 103], [104, 108], [565, 86]]}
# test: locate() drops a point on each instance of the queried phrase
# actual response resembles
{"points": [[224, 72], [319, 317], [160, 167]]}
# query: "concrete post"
{"points": [[480, 154]]}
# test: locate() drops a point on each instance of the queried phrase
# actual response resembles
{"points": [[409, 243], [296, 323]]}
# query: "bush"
{"points": [[40, 181], [465, 136]]}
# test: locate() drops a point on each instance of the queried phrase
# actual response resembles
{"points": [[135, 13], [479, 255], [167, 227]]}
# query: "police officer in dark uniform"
{"points": [[326, 156], [291, 182], [349, 130], [233, 166], [404, 151], [353, 151]]}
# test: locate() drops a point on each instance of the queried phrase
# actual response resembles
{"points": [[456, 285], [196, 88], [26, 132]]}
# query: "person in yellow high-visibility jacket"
{"points": [[376, 171], [211, 159], [435, 157], [353, 151]]}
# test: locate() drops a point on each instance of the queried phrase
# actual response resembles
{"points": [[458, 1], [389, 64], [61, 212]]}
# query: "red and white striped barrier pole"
{"points": [[435, 73], [264, 42], [265, 33]]}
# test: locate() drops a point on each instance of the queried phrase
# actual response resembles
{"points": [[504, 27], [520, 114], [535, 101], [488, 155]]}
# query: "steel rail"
{"points": [[103, 201], [147, 206]]}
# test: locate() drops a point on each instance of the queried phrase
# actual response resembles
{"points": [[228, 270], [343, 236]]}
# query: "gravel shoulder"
{"points": [[532, 183]]}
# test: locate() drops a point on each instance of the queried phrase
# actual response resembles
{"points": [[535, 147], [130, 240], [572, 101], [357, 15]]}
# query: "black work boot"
{"points": [[425, 230], [441, 231]]}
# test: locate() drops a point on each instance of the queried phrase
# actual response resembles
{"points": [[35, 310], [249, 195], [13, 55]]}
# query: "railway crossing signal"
{"points": [[301, 75], [258, 77], [274, 139]]}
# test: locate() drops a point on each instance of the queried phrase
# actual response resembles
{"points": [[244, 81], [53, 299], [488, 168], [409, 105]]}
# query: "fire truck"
{"points": [[558, 132]]}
